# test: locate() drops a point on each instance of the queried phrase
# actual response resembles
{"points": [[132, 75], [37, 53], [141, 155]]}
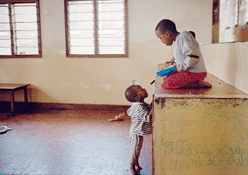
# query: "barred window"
{"points": [[243, 13], [96, 28], [19, 29], [231, 13]]}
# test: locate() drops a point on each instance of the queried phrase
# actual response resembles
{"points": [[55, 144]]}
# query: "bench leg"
{"points": [[26, 95], [25, 107], [12, 99]]}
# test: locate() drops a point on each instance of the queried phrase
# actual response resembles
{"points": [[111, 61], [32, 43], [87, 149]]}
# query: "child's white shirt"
{"points": [[187, 54]]}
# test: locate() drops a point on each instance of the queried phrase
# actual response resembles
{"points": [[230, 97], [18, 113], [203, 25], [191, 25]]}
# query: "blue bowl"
{"points": [[167, 71]]}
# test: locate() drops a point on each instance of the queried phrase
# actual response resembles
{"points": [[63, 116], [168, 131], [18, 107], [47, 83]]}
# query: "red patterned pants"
{"points": [[182, 79]]}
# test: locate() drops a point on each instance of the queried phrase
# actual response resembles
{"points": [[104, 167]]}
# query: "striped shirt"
{"points": [[141, 121]]}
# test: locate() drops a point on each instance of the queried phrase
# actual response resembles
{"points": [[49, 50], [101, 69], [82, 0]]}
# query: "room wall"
{"points": [[57, 79], [228, 61]]}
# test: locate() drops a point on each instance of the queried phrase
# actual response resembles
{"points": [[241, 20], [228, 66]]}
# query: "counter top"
{"points": [[219, 89]]}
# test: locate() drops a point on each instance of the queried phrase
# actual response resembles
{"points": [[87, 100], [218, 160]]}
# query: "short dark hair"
{"points": [[165, 25], [131, 93], [192, 33]]}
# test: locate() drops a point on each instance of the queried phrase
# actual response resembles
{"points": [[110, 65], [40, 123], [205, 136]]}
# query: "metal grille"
{"points": [[96, 27], [19, 29], [5, 32]]}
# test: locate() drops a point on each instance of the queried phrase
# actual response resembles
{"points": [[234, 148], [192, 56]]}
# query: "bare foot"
{"points": [[132, 170], [197, 85], [138, 169], [204, 84], [137, 172]]}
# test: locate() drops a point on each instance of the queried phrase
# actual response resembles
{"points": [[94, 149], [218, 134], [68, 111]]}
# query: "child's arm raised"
{"points": [[151, 114], [151, 110]]}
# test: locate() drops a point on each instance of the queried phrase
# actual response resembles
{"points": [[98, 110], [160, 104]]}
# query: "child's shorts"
{"points": [[182, 79]]}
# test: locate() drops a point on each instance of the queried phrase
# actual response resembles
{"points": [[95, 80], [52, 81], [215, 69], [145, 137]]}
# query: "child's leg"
{"points": [[138, 150], [136, 143], [185, 79]]}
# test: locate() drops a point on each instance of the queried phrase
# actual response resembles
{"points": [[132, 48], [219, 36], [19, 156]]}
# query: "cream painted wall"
{"points": [[228, 62], [57, 79]]}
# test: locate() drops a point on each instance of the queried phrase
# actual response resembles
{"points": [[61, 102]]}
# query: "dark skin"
{"points": [[141, 94], [168, 38]]}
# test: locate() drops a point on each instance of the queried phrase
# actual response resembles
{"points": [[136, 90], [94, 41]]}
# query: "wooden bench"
{"points": [[12, 88], [200, 131]]}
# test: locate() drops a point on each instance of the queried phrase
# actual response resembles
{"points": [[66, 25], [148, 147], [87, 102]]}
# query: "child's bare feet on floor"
{"points": [[133, 171], [138, 169]]}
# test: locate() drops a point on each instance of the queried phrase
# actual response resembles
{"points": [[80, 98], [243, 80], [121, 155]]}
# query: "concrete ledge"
{"points": [[220, 89]]}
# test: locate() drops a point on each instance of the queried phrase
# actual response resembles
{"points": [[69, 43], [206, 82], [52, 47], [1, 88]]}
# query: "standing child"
{"points": [[190, 68], [141, 114]]}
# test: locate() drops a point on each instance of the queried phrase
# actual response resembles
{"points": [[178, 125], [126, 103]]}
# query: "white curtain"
{"points": [[231, 14], [243, 14]]}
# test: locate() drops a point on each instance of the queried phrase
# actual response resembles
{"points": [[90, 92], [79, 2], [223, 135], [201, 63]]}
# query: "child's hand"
{"points": [[170, 63], [152, 100], [174, 72], [167, 64]]}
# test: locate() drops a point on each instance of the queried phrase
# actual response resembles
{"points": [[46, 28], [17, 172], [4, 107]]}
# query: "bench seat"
{"points": [[10, 87]]}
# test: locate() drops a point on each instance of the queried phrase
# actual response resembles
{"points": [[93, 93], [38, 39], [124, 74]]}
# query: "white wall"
{"points": [[57, 79], [193, 15], [228, 62]]}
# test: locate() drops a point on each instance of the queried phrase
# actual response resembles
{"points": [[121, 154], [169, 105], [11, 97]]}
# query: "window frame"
{"points": [[227, 20], [240, 3], [96, 55], [13, 55], [238, 14]]}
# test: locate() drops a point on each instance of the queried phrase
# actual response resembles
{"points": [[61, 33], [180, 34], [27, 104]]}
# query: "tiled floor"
{"points": [[80, 142]]}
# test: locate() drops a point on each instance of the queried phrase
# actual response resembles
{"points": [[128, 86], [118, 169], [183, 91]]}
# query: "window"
{"points": [[236, 12], [19, 29], [231, 13], [243, 13], [96, 28]]}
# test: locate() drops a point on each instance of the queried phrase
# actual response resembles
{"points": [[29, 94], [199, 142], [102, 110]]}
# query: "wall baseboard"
{"points": [[5, 106]]}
